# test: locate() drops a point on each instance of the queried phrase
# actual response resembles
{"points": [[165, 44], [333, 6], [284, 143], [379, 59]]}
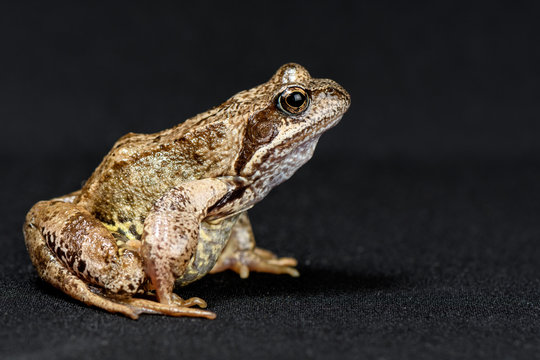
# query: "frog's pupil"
{"points": [[296, 99]]}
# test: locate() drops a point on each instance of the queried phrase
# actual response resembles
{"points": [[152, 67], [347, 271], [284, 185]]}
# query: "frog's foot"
{"points": [[260, 260], [178, 309]]}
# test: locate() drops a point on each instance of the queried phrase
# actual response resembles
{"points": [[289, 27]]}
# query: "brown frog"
{"points": [[165, 209]]}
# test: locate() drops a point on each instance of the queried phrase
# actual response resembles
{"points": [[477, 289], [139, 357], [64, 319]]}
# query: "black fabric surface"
{"points": [[415, 225]]}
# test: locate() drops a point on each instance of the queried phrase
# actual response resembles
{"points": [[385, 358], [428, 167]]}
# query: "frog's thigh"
{"points": [[70, 249], [242, 256]]}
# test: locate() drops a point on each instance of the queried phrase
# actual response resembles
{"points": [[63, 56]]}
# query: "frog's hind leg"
{"points": [[242, 256], [55, 273], [71, 249]]}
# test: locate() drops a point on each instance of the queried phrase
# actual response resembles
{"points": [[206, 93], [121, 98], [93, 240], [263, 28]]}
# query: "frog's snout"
{"points": [[331, 90], [345, 95], [342, 94]]}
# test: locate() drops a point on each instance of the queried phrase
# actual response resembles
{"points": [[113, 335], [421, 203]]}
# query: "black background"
{"points": [[416, 223]]}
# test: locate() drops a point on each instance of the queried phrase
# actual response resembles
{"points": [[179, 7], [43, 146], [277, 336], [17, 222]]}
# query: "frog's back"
{"points": [[140, 168]]}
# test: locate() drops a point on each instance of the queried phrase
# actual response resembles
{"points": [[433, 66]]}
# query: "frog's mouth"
{"points": [[310, 133], [330, 124]]}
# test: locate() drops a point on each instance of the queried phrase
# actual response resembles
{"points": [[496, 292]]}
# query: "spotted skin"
{"points": [[167, 208]]}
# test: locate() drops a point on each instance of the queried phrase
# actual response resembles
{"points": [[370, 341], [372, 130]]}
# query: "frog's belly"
{"points": [[212, 240]]}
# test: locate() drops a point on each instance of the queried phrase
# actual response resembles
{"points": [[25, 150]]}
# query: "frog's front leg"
{"points": [[242, 256], [171, 231]]}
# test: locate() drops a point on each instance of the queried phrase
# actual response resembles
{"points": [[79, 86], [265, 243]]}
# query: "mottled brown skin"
{"points": [[165, 209]]}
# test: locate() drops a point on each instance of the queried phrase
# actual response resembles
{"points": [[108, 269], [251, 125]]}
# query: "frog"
{"points": [[164, 209]]}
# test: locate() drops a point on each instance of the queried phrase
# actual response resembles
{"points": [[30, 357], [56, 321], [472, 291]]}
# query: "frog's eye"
{"points": [[293, 100]]}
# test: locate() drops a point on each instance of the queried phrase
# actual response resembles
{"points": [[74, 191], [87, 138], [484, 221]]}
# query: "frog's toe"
{"points": [[275, 267], [194, 301], [284, 261], [272, 258], [144, 306], [264, 254]]}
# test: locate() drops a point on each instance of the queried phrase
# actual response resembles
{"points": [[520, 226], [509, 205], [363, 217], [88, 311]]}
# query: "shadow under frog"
{"points": [[314, 281]]}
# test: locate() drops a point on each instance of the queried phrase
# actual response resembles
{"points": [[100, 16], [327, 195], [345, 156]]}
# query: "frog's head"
{"points": [[293, 110]]}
